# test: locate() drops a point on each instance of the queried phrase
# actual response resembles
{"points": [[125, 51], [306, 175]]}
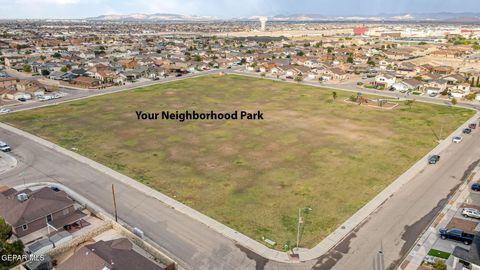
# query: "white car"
{"points": [[457, 139], [471, 212], [5, 110], [45, 98], [4, 147]]}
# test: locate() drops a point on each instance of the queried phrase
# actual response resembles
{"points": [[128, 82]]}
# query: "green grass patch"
{"points": [[439, 254], [310, 150]]}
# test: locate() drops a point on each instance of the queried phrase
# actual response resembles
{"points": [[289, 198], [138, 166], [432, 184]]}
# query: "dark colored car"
{"points": [[472, 126], [457, 235], [476, 187], [433, 159], [22, 99], [467, 131]]}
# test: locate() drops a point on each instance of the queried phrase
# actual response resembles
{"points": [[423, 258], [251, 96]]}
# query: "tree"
{"points": [[470, 96], [15, 248], [300, 53], [409, 103], [45, 72], [454, 101], [58, 55], [350, 60], [64, 69], [334, 95], [298, 78], [197, 58], [5, 230], [27, 68], [440, 265]]}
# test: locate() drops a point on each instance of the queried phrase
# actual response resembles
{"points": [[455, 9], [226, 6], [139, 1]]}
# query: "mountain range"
{"points": [[423, 17]]}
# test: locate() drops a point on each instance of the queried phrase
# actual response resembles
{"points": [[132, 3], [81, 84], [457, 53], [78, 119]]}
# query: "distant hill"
{"points": [[438, 17], [470, 17], [150, 17]]}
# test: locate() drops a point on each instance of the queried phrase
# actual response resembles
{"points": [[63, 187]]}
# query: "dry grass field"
{"points": [[309, 151]]}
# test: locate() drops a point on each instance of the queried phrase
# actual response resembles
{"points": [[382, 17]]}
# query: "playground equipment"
{"points": [[361, 99]]}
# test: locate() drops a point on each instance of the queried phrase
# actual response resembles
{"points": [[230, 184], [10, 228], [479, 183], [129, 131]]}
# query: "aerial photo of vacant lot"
{"points": [[310, 151]]}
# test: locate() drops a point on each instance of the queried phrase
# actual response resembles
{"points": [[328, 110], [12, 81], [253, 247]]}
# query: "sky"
{"points": [[74, 9]]}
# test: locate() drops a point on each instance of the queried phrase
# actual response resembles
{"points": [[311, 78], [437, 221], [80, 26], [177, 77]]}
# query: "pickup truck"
{"points": [[457, 235]]}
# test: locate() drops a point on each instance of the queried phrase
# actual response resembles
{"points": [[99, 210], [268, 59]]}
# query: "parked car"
{"points": [[457, 139], [471, 212], [5, 110], [45, 98], [472, 126], [4, 147], [467, 131], [22, 99], [476, 187], [457, 235], [432, 94], [433, 159]]}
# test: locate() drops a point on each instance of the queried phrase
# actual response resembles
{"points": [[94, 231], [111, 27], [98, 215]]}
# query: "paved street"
{"points": [[395, 225]]}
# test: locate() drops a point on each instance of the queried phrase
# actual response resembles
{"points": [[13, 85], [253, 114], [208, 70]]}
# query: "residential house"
{"points": [[407, 70], [8, 82], [459, 90], [413, 84], [431, 77], [400, 87], [454, 79], [437, 84], [292, 71], [86, 82], [31, 210], [56, 75], [117, 254], [442, 70], [336, 73], [385, 80], [470, 258], [129, 63], [102, 73]]}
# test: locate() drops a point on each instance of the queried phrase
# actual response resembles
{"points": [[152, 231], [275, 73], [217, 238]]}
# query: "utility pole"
{"points": [[301, 221], [298, 226], [114, 203]]}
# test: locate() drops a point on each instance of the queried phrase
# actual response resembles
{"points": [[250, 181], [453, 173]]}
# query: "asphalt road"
{"points": [[395, 225]]}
